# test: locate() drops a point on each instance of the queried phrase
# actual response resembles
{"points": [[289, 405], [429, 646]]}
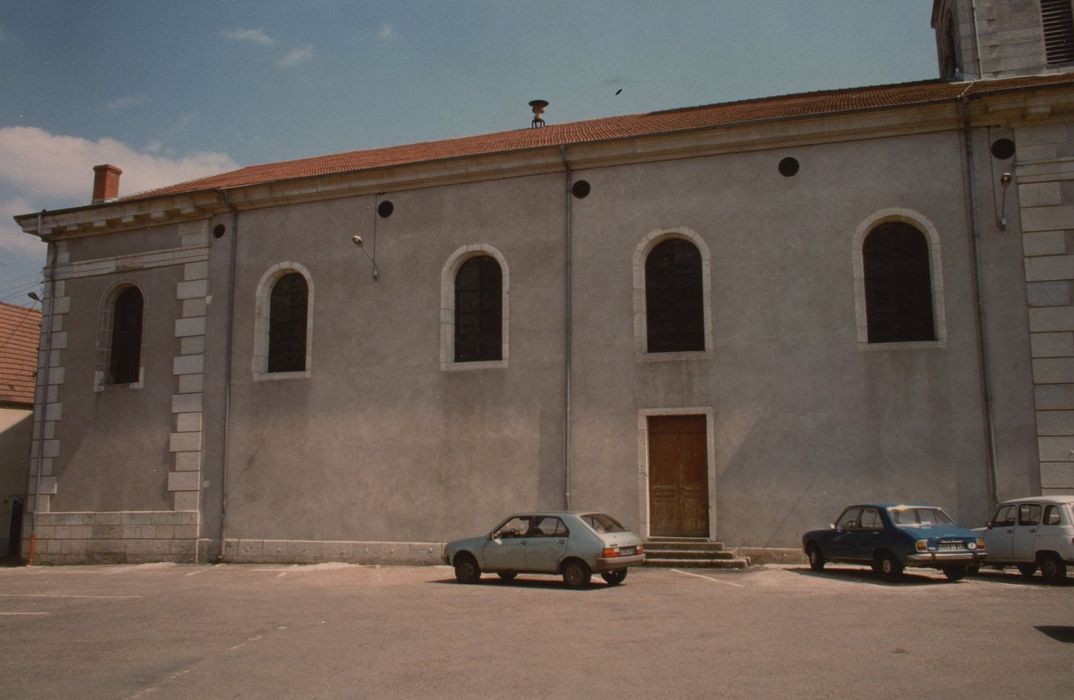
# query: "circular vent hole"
{"points": [[788, 167], [580, 189], [1003, 148], [219, 230], [385, 209]]}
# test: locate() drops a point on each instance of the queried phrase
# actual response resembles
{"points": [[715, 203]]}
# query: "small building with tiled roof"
{"points": [[20, 330], [721, 322]]}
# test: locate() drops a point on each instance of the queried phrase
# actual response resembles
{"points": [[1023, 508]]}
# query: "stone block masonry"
{"points": [[1047, 215], [256, 551], [121, 537]]}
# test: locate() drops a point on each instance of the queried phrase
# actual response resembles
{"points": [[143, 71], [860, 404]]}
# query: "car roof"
{"points": [[556, 513], [885, 506], [1039, 499]]}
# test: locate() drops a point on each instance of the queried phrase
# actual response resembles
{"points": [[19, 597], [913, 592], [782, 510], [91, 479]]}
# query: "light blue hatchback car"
{"points": [[573, 544]]}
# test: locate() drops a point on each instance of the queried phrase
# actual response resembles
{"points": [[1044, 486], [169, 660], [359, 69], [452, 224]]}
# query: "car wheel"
{"points": [[955, 572], [890, 567], [816, 557], [973, 569], [1027, 570], [507, 575], [614, 578], [1053, 569], [466, 569], [576, 573]]}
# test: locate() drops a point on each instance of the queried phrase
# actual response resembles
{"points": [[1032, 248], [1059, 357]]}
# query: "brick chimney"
{"points": [[105, 183]]}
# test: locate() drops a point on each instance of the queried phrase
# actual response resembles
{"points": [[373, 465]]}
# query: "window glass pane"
{"points": [[287, 324], [479, 310], [898, 284], [515, 527], [547, 527], [1051, 515], [674, 303], [1029, 514], [1004, 517], [602, 522], [125, 364], [849, 519], [871, 519]]}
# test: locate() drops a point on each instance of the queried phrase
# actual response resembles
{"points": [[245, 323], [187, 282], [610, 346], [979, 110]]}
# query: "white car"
{"points": [[574, 545], [1032, 533]]}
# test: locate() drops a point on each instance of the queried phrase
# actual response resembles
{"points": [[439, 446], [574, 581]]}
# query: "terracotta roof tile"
{"points": [[609, 128], [20, 330]]}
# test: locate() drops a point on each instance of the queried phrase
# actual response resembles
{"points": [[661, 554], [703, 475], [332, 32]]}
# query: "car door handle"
{"points": [[561, 541]]}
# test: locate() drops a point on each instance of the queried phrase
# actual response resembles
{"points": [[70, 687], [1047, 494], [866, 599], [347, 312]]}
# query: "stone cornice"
{"points": [[998, 109]]}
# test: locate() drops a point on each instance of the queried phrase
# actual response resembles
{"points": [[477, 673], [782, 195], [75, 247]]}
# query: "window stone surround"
{"points": [[261, 322], [641, 335], [447, 308], [922, 224]]}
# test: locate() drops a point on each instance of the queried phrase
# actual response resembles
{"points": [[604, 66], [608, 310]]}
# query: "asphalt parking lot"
{"points": [[335, 630]]}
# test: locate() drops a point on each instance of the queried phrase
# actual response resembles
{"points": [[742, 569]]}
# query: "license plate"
{"points": [[626, 551], [951, 546]]}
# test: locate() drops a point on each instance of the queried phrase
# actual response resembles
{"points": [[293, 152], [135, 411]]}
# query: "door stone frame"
{"points": [[643, 462]]}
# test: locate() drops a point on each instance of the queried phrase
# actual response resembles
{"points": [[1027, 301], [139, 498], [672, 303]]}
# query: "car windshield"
{"points": [[602, 523], [919, 517]]}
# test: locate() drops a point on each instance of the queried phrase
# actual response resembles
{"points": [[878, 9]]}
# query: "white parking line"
{"points": [[709, 578], [66, 595]]}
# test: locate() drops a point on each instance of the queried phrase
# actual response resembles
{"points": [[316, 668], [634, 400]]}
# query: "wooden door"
{"points": [[678, 476]]}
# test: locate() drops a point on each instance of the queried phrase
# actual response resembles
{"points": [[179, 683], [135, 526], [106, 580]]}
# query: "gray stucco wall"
{"points": [[379, 442]]}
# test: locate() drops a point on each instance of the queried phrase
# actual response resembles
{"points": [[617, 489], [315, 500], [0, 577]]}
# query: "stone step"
{"points": [[669, 543], [664, 553], [697, 563]]}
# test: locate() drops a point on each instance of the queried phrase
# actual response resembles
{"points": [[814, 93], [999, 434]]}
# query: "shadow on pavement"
{"points": [[551, 584], [863, 575]]}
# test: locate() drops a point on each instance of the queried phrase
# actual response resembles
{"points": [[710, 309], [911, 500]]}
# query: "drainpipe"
{"points": [[568, 334], [44, 390], [982, 336], [227, 368]]}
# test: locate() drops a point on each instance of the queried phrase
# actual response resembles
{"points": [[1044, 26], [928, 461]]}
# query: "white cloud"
{"points": [[12, 240], [296, 56], [56, 170], [39, 169], [253, 35], [386, 32]]}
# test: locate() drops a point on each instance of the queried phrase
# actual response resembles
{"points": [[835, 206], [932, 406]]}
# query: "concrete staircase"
{"points": [[688, 552]]}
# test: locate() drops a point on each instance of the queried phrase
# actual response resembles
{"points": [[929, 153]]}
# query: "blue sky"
{"points": [[170, 91]]}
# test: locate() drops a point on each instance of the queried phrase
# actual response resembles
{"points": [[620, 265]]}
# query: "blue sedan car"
{"points": [[890, 537]]}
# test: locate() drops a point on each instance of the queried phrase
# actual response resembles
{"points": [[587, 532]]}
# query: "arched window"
{"points": [[898, 284], [288, 315], [125, 357], [674, 297], [479, 310]]}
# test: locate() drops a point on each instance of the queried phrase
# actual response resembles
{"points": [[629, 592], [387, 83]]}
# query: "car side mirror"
{"points": [[990, 525]]}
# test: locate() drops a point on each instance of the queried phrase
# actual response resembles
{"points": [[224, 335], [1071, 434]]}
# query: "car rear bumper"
{"points": [[607, 564]]}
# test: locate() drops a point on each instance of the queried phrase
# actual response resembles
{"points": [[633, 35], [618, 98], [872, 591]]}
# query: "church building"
{"points": [[722, 322]]}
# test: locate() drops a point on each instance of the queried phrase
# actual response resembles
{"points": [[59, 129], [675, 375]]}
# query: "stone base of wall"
{"points": [[321, 551], [772, 555], [121, 537]]}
